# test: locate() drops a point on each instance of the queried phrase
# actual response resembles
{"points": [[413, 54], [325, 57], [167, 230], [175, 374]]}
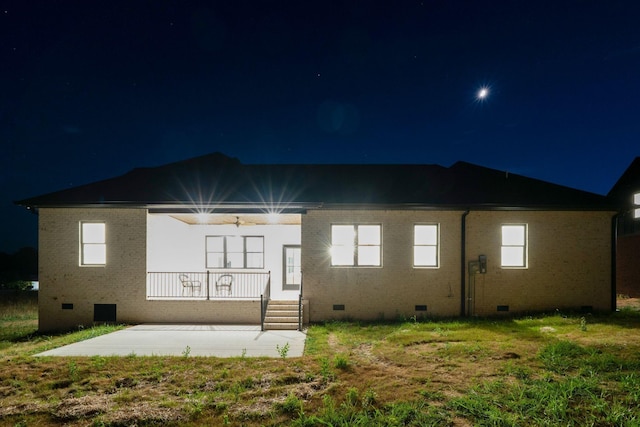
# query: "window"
{"points": [[425, 245], [514, 246], [235, 251], [292, 267], [636, 203], [356, 245], [93, 247]]}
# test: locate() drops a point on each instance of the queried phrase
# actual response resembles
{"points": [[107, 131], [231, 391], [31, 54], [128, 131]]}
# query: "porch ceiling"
{"points": [[239, 219]]}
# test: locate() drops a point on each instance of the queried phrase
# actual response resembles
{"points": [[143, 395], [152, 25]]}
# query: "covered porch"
{"points": [[230, 259]]}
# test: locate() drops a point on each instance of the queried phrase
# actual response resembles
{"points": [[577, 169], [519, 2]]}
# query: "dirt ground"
{"points": [[633, 303]]}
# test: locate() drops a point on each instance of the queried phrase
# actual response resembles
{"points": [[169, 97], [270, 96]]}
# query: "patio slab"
{"points": [[196, 340]]}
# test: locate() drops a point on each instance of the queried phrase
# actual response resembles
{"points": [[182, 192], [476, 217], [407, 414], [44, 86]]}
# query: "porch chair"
{"points": [[189, 284], [224, 281]]}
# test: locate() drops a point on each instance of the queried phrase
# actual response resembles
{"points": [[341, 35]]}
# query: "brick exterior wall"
{"points": [[628, 266], [569, 265], [122, 281], [64, 281], [569, 261], [389, 291]]}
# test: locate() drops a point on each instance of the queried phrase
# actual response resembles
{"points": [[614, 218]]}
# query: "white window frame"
{"points": [[225, 253], [89, 242], [355, 246], [418, 245], [505, 246]]}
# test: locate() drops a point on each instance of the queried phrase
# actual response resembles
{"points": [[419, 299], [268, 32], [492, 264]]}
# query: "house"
{"points": [[212, 240], [625, 194]]}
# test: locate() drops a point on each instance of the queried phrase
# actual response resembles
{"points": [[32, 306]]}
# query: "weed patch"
{"points": [[562, 356]]}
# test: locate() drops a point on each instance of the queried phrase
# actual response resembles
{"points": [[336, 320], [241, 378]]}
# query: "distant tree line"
{"points": [[18, 269]]}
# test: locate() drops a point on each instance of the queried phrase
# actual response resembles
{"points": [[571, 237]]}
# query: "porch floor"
{"points": [[183, 339]]}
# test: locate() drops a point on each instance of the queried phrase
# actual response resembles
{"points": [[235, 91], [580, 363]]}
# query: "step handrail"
{"points": [[300, 305], [264, 301]]}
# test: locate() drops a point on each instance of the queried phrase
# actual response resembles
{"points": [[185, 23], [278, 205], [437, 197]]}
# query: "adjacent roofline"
{"points": [[629, 183]]}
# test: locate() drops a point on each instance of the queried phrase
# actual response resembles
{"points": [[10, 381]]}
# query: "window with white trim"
{"points": [[425, 245], [514, 246], [235, 252], [636, 204], [356, 245], [93, 246]]}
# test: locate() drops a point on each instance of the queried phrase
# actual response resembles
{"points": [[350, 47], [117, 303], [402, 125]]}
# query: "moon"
{"points": [[482, 93]]}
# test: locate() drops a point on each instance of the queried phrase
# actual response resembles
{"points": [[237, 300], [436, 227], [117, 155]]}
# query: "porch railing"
{"points": [[207, 285]]}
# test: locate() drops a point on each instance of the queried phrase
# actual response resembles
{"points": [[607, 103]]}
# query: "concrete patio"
{"points": [[194, 340]]}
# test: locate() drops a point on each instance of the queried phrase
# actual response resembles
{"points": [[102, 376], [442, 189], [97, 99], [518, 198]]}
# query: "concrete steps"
{"points": [[281, 315]]}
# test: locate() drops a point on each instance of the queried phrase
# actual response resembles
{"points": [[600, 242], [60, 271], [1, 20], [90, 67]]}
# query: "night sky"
{"points": [[92, 89]]}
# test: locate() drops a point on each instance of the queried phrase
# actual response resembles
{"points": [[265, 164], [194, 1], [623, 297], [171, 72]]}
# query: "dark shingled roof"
{"points": [[218, 180]]}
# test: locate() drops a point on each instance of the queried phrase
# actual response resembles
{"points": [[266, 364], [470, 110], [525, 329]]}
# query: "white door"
{"points": [[292, 276]]}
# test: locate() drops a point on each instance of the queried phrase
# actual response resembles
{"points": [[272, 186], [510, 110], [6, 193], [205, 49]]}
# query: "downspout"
{"points": [[463, 262], [614, 259]]}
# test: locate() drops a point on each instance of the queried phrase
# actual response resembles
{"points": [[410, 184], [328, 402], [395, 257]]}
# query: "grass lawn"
{"points": [[529, 371]]}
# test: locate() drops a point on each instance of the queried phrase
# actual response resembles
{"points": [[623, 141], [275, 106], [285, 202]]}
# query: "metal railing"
{"points": [[264, 303], [300, 303], [207, 285]]}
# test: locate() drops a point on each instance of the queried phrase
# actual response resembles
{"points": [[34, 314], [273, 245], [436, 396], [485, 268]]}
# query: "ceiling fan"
{"points": [[238, 222]]}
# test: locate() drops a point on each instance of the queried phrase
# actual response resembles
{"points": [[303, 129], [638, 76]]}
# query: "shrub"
{"points": [[18, 285]]}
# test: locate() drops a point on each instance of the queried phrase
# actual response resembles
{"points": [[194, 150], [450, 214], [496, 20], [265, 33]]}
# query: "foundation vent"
{"points": [[104, 312]]}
